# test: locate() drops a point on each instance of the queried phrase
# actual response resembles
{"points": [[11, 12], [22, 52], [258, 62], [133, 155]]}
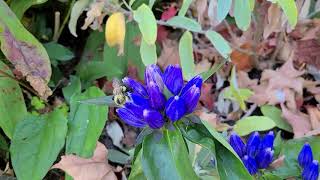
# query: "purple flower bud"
{"points": [[156, 98], [250, 164], [267, 141], [197, 80], [153, 74], [191, 98], [173, 79], [135, 86], [264, 158], [175, 108], [130, 118], [137, 104], [153, 118], [311, 172], [237, 144], [253, 144], [305, 156]]}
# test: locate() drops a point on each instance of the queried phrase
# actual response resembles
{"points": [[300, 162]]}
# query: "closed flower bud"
{"points": [[153, 118], [267, 141], [130, 118], [305, 156], [191, 98], [116, 31], [197, 80], [135, 86], [264, 158], [156, 98], [154, 74], [137, 104], [175, 108], [253, 144], [311, 172], [173, 79], [237, 144], [250, 164]]}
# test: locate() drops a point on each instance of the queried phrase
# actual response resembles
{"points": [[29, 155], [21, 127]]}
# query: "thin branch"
{"points": [[65, 19], [56, 26]]}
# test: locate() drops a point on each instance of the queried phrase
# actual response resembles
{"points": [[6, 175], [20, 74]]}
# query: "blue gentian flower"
{"points": [[305, 156], [253, 144], [311, 172], [147, 104], [256, 154], [237, 144], [250, 164]]}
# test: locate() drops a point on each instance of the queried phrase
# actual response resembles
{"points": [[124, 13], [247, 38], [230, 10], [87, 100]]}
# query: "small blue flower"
{"points": [[191, 98], [175, 108], [264, 158], [237, 144], [267, 141], [130, 118], [197, 80], [173, 79], [135, 86], [156, 98], [253, 144], [153, 74], [153, 118], [305, 156], [250, 164], [311, 172]]}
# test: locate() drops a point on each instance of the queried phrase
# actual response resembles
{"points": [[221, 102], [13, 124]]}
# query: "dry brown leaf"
{"points": [[169, 54], [201, 9], [94, 168], [244, 81], [203, 66], [206, 96], [308, 51], [314, 115], [212, 119], [243, 61], [278, 162], [95, 16], [274, 22], [299, 121]]}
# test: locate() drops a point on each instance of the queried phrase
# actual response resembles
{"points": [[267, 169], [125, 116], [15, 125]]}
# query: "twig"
{"points": [[56, 26], [65, 20]]}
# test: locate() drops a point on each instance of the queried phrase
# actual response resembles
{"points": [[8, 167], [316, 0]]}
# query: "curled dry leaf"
{"points": [[314, 115], [299, 121], [212, 119], [278, 162], [24, 51], [273, 23], [94, 168], [243, 61], [95, 16], [206, 95], [169, 53]]}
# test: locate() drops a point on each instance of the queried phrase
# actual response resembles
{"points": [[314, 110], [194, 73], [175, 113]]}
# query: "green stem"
{"points": [[65, 20]]}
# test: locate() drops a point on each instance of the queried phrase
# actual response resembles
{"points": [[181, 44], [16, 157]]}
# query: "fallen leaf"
{"points": [[94, 168], [308, 51], [299, 121], [314, 115], [95, 15], [278, 162], [169, 13], [203, 66], [115, 133], [273, 20], [169, 54], [201, 9], [206, 95], [243, 61], [212, 119]]}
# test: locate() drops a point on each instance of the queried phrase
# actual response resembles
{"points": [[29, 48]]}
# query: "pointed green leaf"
{"points": [[36, 144], [184, 23], [184, 8], [290, 9], [250, 124], [186, 55], [20, 7], [242, 13], [223, 9], [219, 43], [148, 53], [274, 113]]}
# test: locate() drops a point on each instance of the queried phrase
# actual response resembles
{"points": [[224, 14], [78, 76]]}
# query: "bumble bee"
{"points": [[119, 92]]}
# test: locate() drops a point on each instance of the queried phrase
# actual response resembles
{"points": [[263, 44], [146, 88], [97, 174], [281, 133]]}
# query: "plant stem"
{"points": [[65, 20]]}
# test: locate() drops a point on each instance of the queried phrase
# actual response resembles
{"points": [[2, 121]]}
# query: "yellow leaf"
{"points": [[116, 31]]}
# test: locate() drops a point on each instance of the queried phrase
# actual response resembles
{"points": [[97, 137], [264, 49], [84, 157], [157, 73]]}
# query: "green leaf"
{"points": [[115, 66], [184, 23], [229, 164], [242, 14], [73, 88], [136, 170], [20, 7], [77, 8], [86, 123], [219, 43], [184, 8], [105, 100], [274, 113], [206, 75], [186, 55], [147, 23], [36, 144], [250, 124], [290, 149], [12, 105], [148, 53], [223, 8], [24, 51], [166, 158], [58, 52], [290, 10]]}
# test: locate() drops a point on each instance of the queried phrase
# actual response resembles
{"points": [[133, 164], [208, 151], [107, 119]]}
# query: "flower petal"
{"points": [[153, 74], [153, 118], [267, 141], [250, 164], [197, 80], [311, 172], [253, 144], [135, 86], [173, 79], [175, 108], [130, 118], [156, 98], [237, 144], [264, 158], [191, 98], [305, 156]]}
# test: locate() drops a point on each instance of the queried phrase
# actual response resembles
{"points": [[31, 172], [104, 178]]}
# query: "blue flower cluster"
{"points": [[257, 153], [308, 164], [147, 104]]}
